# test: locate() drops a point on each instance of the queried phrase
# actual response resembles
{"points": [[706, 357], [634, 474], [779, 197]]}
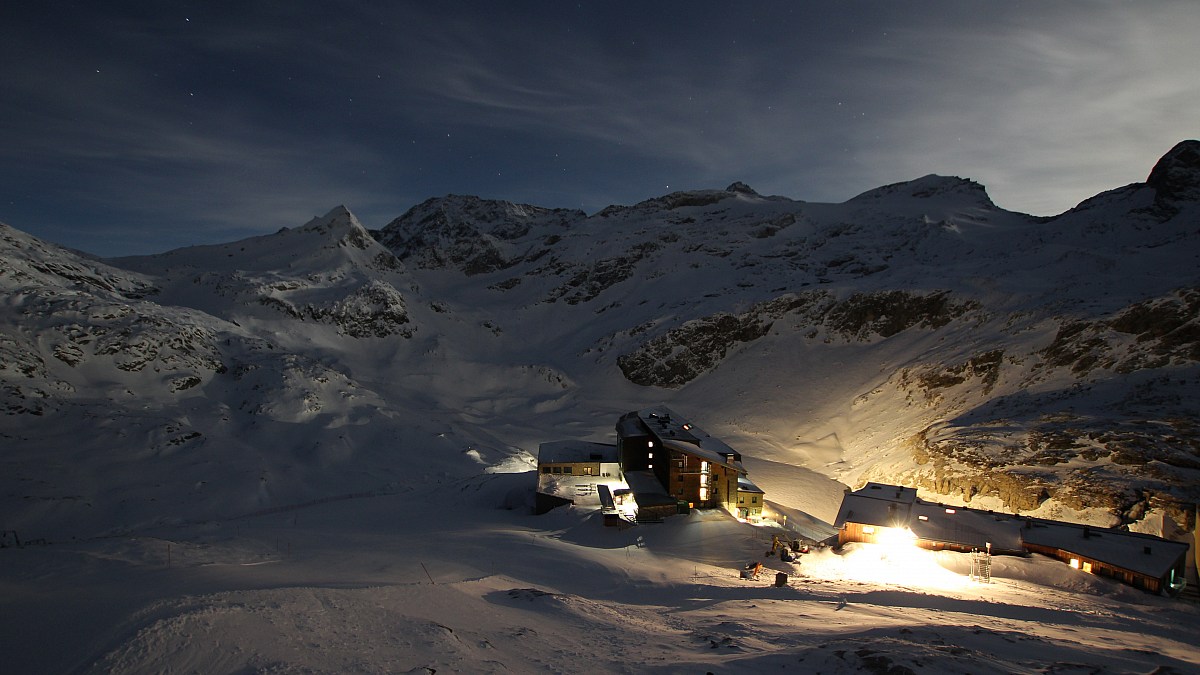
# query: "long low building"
{"points": [[1144, 561]]}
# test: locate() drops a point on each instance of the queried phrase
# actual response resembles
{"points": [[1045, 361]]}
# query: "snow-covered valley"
{"points": [[313, 450]]}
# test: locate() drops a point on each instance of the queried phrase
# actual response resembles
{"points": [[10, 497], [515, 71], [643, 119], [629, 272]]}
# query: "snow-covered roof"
{"points": [[877, 504], [1136, 552], [576, 451], [647, 491], [967, 527], [893, 506], [703, 453], [746, 485]]}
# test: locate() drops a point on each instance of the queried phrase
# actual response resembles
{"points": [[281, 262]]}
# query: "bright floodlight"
{"points": [[895, 560]]}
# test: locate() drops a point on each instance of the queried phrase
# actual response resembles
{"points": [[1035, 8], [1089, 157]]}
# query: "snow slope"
{"points": [[396, 584]]}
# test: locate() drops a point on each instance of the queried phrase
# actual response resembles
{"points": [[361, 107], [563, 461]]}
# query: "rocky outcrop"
{"points": [[373, 310], [682, 354], [1176, 178], [475, 235], [588, 281], [1149, 334]]}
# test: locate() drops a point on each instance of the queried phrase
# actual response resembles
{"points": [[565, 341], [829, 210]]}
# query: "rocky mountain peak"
{"points": [[741, 188], [1176, 176], [931, 186], [341, 223]]}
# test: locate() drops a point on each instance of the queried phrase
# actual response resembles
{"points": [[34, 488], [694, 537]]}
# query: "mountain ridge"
{"points": [[915, 333]]}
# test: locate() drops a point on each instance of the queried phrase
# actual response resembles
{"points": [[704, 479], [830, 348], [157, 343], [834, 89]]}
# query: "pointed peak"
{"points": [[742, 188], [339, 211], [337, 218]]}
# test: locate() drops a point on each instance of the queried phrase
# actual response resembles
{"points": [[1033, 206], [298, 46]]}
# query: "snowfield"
{"points": [[444, 579]]}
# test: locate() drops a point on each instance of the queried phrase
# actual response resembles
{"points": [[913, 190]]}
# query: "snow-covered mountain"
{"points": [[300, 452], [915, 334]]}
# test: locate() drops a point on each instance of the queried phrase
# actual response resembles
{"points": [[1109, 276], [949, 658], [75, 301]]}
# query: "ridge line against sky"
{"points": [[157, 125]]}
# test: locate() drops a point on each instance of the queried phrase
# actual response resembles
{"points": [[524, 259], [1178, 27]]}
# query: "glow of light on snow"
{"points": [[895, 560]]}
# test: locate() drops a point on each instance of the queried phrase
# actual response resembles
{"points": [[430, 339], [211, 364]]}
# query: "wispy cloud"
{"points": [[248, 119]]}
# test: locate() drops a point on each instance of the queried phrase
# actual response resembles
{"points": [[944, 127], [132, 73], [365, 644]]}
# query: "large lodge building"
{"points": [[666, 465]]}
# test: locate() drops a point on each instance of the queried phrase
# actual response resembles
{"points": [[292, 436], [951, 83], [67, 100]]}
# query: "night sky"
{"points": [[137, 127]]}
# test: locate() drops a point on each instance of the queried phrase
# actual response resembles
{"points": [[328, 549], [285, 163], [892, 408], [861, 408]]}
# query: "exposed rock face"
{"points": [[472, 234], [1003, 432], [930, 187], [375, 310], [887, 313], [1164, 331], [590, 280], [684, 353], [1176, 177], [1118, 465]]}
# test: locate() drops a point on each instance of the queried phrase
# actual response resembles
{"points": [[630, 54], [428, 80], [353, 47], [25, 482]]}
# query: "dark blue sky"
{"points": [[136, 127]]}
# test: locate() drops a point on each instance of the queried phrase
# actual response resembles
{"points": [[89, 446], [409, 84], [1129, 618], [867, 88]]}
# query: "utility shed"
{"points": [[1140, 560]]}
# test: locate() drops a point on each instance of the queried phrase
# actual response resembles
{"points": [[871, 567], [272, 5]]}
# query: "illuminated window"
{"points": [[649, 444], [868, 529], [1087, 567], [703, 493], [922, 517], [950, 511], [587, 470], [1075, 563], [649, 455], [703, 467]]}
